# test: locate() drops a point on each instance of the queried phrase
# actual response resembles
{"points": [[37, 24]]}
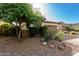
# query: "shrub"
{"points": [[37, 30], [5, 27], [33, 31], [42, 31], [47, 36], [65, 32], [76, 29], [12, 32], [68, 28], [7, 30], [59, 35], [74, 33]]}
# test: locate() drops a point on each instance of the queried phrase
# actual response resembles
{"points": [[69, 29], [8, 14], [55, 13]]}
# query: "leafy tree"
{"points": [[37, 18], [16, 13]]}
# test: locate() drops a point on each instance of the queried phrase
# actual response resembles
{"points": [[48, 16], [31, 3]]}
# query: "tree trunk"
{"points": [[19, 35], [18, 32]]}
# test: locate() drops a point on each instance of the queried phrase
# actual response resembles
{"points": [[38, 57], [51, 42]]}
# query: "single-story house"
{"points": [[52, 25]]}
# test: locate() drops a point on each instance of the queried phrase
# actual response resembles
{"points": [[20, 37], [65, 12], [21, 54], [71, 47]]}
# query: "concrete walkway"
{"points": [[74, 42], [77, 54]]}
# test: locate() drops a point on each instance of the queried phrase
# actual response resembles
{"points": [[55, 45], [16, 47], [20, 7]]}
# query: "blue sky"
{"points": [[65, 12]]}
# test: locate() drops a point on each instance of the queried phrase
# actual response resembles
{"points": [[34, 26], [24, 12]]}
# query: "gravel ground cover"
{"points": [[9, 46]]}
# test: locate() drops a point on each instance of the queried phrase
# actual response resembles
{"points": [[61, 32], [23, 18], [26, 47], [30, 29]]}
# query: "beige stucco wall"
{"points": [[49, 24], [52, 26], [23, 26]]}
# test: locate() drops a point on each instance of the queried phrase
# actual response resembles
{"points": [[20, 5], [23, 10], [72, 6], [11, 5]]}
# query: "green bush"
{"points": [[68, 28], [33, 31], [5, 26], [76, 29], [12, 32], [53, 34], [7, 30], [42, 31], [47, 36], [37, 30], [72, 28], [4, 29], [59, 35]]}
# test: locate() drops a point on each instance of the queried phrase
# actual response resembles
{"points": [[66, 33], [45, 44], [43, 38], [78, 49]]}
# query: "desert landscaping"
{"points": [[10, 46], [24, 31]]}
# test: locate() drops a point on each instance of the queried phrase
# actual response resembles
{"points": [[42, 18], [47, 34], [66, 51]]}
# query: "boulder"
{"points": [[44, 43], [65, 45], [51, 45], [61, 47]]}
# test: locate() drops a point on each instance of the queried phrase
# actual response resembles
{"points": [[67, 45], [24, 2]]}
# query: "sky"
{"points": [[60, 12]]}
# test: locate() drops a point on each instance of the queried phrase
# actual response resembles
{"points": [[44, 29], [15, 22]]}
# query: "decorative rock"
{"points": [[61, 47], [65, 45], [44, 43], [51, 46]]}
